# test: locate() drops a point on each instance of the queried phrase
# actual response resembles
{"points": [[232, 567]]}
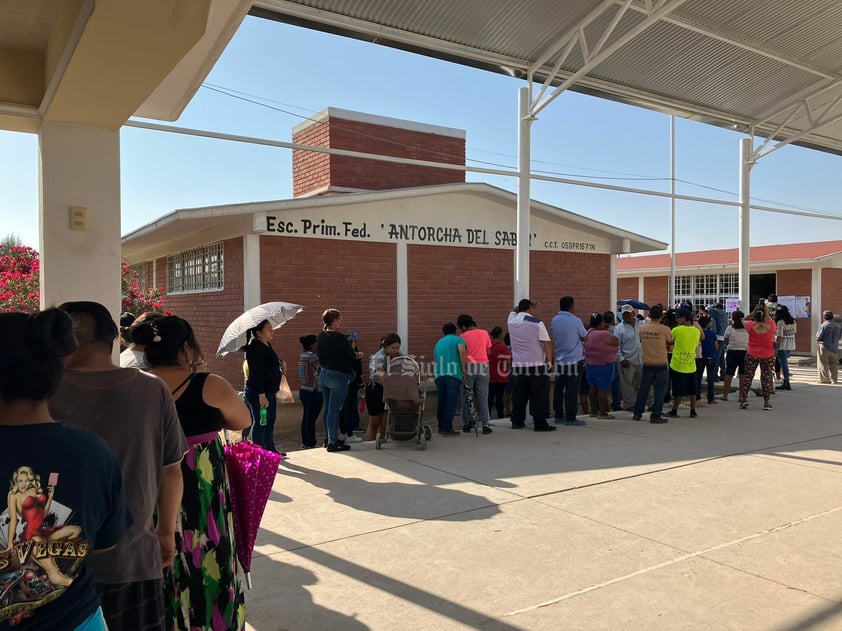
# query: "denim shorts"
{"points": [[600, 376]]}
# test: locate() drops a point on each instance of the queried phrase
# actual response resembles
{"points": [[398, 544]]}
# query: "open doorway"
{"points": [[760, 286]]}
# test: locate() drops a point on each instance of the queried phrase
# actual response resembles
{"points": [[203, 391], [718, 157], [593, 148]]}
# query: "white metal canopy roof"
{"points": [[768, 67]]}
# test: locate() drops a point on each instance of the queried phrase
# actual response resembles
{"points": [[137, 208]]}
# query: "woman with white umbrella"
{"points": [[265, 369]]}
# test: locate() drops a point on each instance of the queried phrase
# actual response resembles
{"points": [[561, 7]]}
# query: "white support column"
{"points": [[251, 271], [671, 290], [80, 169], [612, 274], [641, 288], [744, 230], [816, 306], [523, 196], [402, 290]]}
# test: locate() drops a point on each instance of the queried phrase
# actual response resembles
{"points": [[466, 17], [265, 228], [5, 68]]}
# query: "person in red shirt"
{"points": [[500, 359], [760, 351]]}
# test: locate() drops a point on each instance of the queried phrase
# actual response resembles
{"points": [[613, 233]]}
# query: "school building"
{"points": [[395, 247], [805, 276]]}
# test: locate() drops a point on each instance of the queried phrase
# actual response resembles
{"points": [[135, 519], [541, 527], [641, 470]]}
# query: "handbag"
{"points": [[284, 395]]}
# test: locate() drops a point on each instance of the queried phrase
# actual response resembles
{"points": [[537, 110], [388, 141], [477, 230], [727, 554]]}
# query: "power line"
{"points": [[617, 175]]}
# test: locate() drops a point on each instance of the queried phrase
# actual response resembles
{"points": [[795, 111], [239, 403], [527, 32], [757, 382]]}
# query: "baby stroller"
{"points": [[405, 401]]}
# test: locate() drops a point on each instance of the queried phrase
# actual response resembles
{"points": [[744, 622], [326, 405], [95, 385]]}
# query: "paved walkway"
{"points": [[729, 521]]}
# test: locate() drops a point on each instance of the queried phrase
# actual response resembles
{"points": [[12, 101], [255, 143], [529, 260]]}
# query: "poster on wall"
{"points": [[788, 302], [732, 304], [802, 307]]}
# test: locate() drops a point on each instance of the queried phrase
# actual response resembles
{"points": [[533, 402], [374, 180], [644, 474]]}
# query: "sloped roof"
{"points": [[767, 66], [781, 253], [236, 218]]}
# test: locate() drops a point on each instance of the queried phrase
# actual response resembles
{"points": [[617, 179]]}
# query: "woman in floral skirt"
{"points": [[204, 590]]}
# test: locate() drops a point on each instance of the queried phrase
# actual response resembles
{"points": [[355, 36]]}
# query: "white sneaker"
{"points": [[354, 439]]}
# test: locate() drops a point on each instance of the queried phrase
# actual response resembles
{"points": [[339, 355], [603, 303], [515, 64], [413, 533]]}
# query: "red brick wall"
{"points": [[831, 289], [656, 290], [357, 278], [586, 277], [360, 280], [446, 281], [628, 288], [210, 313], [440, 290], [797, 282], [312, 171]]}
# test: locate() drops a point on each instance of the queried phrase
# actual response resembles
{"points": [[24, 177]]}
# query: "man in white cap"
{"points": [[828, 348], [629, 356]]}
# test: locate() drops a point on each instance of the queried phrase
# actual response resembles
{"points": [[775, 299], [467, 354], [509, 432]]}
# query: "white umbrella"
{"points": [[277, 313]]}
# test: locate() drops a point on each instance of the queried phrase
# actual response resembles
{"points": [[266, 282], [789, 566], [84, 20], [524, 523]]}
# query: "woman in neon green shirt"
{"points": [[683, 362]]}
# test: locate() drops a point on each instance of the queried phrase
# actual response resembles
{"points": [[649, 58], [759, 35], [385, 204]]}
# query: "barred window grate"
{"points": [[144, 274], [706, 289], [200, 269]]}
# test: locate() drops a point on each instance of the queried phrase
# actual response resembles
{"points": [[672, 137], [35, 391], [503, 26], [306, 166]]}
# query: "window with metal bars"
{"points": [[706, 289], [200, 269], [144, 274]]}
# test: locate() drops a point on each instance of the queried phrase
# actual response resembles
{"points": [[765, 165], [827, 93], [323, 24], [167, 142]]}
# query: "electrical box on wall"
{"points": [[78, 219]]}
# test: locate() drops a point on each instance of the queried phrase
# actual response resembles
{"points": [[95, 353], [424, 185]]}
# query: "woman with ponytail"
{"points": [[337, 357], [310, 393], [203, 589], [759, 352], [264, 380], [736, 341], [378, 366]]}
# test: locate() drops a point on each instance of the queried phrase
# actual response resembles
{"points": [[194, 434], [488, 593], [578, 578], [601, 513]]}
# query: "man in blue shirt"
{"points": [[568, 334], [719, 322]]}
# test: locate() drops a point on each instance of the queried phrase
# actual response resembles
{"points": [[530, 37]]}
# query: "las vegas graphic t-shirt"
{"points": [[64, 500]]}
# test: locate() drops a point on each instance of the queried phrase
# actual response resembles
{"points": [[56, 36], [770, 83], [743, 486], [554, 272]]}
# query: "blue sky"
{"points": [[302, 72]]}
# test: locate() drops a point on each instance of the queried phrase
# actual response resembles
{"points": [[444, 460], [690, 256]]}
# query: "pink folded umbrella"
{"points": [[251, 473]]}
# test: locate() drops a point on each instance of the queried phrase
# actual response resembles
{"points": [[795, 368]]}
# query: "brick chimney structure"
{"points": [[322, 173]]}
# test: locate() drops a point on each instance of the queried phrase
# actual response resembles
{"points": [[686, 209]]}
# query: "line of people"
{"points": [[601, 368], [119, 510], [636, 365]]}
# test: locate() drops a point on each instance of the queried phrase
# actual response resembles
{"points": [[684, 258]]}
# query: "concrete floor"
{"points": [[729, 521]]}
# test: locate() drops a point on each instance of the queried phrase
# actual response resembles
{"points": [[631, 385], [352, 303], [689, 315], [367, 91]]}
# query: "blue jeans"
{"points": [[263, 435], [349, 415], [312, 401], [722, 348], [783, 357], [478, 381], [712, 365], [448, 388], [701, 362], [657, 376], [335, 389]]}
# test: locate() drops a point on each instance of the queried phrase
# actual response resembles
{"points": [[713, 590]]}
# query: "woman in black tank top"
{"points": [[206, 404]]}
